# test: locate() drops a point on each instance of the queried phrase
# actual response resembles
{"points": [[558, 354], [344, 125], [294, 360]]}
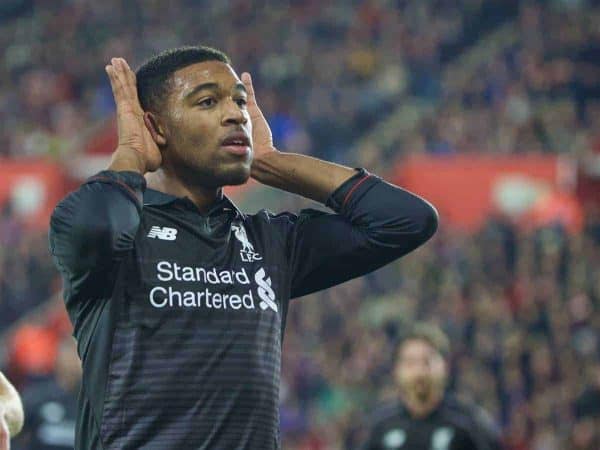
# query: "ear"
{"points": [[155, 128]]}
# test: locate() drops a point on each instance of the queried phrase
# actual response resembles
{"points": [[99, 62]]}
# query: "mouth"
{"points": [[237, 143], [422, 389]]}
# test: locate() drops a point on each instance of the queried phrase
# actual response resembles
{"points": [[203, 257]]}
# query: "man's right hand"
{"points": [[136, 150]]}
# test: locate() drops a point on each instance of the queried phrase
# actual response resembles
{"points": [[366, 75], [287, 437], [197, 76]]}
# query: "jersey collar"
{"points": [[153, 197]]}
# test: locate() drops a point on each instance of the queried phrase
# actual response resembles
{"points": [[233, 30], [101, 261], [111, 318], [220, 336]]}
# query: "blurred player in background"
{"points": [[179, 300], [51, 406], [11, 412], [425, 416]]}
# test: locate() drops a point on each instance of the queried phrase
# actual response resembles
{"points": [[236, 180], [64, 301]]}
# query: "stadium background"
{"points": [[488, 108]]}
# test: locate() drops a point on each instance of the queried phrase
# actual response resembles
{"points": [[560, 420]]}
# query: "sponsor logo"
{"points": [[265, 292], [164, 233], [211, 295], [247, 252], [167, 297]]}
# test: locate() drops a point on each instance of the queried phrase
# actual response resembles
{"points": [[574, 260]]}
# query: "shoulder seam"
{"points": [[129, 191]]}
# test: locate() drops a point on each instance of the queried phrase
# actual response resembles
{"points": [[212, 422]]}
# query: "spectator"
{"points": [[425, 414]]}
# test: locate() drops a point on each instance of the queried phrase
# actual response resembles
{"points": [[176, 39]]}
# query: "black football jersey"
{"points": [[179, 314]]}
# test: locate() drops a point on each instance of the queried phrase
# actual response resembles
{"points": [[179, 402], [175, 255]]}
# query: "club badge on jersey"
{"points": [[247, 252]]}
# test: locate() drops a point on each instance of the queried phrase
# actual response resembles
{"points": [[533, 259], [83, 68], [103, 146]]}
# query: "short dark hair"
{"points": [[154, 75], [429, 333]]}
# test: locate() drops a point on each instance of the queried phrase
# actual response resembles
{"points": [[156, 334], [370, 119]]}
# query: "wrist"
{"points": [[128, 159], [262, 163]]}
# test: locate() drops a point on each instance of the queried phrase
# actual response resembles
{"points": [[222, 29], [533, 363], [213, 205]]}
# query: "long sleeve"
{"points": [[376, 222], [92, 229]]}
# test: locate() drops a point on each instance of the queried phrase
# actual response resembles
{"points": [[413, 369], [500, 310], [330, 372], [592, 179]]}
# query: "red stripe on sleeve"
{"points": [[128, 188], [351, 191]]}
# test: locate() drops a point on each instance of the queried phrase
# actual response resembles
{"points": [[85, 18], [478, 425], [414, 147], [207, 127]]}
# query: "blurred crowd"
{"points": [[27, 275], [521, 308], [538, 93], [325, 71]]}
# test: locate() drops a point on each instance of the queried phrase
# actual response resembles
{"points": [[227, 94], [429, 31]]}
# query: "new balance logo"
{"points": [[164, 233]]}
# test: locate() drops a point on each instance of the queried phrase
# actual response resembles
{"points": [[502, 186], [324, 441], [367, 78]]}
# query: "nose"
{"points": [[423, 370], [233, 114]]}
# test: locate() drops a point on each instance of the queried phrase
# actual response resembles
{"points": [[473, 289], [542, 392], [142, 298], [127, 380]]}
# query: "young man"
{"points": [[425, 416], [178, 299], [11, 412]]}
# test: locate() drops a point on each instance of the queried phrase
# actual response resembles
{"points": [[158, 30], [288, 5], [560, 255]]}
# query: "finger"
{"points": [[114, 84], [119, 94], [247, 80], [118, 97], [122, 93], [129, 78], [120, 72], [129, 72]]}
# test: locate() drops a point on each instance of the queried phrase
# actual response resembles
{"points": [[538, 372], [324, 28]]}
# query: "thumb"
{"points": [[247, 80]]}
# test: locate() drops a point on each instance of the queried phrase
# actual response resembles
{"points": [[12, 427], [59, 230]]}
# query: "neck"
{"points": [[165, 181]]}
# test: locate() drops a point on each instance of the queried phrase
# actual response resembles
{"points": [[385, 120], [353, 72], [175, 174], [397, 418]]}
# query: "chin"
{"points": [[235, 178]]}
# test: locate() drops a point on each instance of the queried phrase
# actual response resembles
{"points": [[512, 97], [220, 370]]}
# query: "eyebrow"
{"points": [[212, 86]]}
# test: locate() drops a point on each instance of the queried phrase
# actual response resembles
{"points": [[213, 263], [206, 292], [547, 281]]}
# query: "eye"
{"points": [[242, 102], [207, 102]]}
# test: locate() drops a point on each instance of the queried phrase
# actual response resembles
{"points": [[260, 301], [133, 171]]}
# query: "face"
{"points": [[206, 126], [420, 372]]}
